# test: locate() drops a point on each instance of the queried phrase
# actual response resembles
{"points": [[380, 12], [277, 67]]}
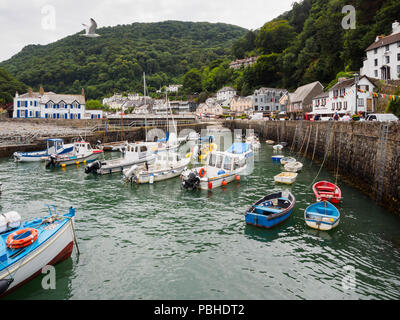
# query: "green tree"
{"points": [[275, 36]]}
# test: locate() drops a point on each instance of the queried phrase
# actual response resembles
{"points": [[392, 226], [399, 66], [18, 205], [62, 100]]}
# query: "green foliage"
{"points": [[192, 81], [8, 86], [94, 105], [394, 106], [115, 61], [275, 36]]}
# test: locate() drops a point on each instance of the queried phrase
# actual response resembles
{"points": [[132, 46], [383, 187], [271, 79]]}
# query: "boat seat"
{"points": [[326, 211], [326, 188], [264, 209]]}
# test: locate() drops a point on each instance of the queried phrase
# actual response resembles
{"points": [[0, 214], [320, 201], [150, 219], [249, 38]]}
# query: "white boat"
{"points": [[286, 160], [132, 153], [293, 166], [53, 146], [286, 177], [220, 169], [25, 248], [277, 147], [322, 216], [270, 142], [82, 152], [166, 166], [254, 142]]}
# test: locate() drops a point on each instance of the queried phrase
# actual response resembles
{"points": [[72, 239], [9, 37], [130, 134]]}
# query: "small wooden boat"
{"points": [[277, 157], [286, 160], [53, 146], [286, 177], [25, 248], [270, 142], [293, 166], [327, 191], [322, 216], [278, 147], [271, 209]]}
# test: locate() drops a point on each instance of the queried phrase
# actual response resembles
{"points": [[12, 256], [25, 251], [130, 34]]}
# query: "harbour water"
{"points": [[160, 242]]}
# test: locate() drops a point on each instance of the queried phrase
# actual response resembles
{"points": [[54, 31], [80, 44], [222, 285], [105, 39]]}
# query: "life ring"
{"points": [[14, 240], [202, 172]]}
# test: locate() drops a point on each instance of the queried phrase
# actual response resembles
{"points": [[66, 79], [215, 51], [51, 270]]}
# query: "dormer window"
{"points": [[387, 48]]}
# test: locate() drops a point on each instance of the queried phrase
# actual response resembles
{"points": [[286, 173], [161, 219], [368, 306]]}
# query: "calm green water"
{"points": [[160, 242]]}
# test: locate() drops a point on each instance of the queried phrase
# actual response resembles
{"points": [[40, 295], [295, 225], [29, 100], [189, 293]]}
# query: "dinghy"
{"points": [[277, 147], [25, 248], [286, 177], [82, 152], [53, 146], [221, 168], [327, 191], [270, 142], [294, 166], [286, 160], [166, 166], [322, 216], [277, 158], [133, 153], [271, 209], [254, 142]]}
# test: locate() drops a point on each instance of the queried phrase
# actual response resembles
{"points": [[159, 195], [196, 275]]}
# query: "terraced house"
{"points": [[267, 99], [49, 105]]}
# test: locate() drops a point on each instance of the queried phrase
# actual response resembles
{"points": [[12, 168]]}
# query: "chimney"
{"points": [[395, 27], [30, 92], [83, 92], [16, 94], [341, 79], [41, 91]]}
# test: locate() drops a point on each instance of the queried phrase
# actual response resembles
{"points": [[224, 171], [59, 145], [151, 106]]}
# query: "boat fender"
{"points": [[202, 172], [93, 167]]}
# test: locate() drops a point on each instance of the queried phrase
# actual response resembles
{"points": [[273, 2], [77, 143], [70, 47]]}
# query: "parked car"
{"points": [[381, 117]]}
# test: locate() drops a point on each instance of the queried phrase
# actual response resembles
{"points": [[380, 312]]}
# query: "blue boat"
{"points": [[277, 158], [34, 244], [322, 216], [53, 146], [271, 209]]}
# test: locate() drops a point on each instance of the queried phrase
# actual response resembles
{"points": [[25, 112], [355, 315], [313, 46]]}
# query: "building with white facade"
{"points": [[49, 105], [210, 108], [173, 88], [341, 98], [246, 62], [225, 93], [383, 56], [268, 99]]}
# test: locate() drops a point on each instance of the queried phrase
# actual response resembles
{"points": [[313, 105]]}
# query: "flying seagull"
{"points": [[91, 30]]}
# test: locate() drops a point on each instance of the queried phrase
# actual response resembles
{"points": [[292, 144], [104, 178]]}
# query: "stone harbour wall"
{"points": [[367, 154]]}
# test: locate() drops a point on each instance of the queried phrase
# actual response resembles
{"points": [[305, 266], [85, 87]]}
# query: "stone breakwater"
{"points": [[367, 154]]}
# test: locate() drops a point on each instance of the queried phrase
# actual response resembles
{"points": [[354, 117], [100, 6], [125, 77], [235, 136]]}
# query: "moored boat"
{"points": [[53, 146], [286, 177], [277, 158], [327, 191], [25, 248], [82, 152], [270, 142], [277, 147], [322, 216], [286, 160], [294, 166], [271, 210]]}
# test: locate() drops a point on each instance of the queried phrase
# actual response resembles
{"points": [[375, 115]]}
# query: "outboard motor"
{"points": [[52, 161], [93, 167], [191, 181]]}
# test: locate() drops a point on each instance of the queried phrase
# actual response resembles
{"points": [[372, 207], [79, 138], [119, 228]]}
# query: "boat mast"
{"points": [[145, 115]]}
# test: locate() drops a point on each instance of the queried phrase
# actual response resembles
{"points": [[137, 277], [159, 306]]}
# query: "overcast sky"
{"points": [[24, 22]]}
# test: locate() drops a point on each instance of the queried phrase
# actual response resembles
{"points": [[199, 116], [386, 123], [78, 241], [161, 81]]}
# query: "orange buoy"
{"points": [[210, 185], [224, 183], [237, 178], [202, 172]]}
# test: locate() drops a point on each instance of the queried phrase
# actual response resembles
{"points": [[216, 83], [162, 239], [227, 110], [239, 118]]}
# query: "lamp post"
{"points": [[356, 80]]}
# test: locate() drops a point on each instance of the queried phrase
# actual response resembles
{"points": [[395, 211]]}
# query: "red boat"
{"points": [[327, 191]]}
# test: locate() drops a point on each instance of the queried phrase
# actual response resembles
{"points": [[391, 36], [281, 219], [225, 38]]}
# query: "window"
{"points": [[387, 48], [360, 102], [398, 69], [375, 62], [375, 51], [387, 59], [376, 73], [219, 161], [213, 160], [228, 163], [398, 57]]}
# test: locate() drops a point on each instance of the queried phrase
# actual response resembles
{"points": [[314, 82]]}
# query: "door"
{"points": [[369, 105]]}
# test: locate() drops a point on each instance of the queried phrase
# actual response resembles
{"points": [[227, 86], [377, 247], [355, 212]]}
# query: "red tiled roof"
{"points": [[385, 41]]}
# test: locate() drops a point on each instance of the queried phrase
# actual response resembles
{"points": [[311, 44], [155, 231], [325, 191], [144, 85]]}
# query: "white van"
{"points": [[381, 117]]}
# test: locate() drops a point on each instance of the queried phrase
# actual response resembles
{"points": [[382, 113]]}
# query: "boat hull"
{"points": [[160, 175], [322, 216], [262, 221], [110, 167], [77, 159], [56, 249], [327, 191]]}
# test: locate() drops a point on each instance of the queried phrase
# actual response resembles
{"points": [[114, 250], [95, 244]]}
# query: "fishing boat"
{"points": [[322, 216], [114, 146], [294, 166], [220, 169], [286, 177], [167, 165], [53, 146], [277, 158], [132, 153], [270, 142], [242, 148], [271, 210], [27, 247], [327, 191], [277, 147], [205, 149], [286, 160], [82, 152]]}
